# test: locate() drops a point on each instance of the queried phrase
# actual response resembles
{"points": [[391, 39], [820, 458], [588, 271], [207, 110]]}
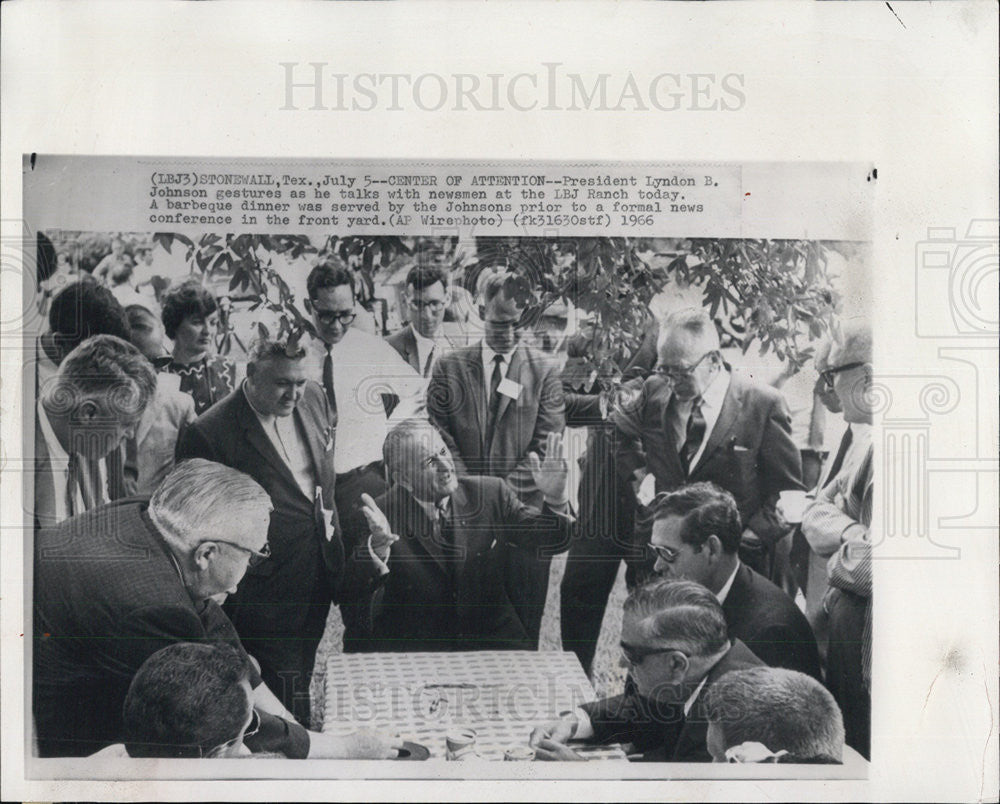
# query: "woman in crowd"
{"points": [[190, 319]]}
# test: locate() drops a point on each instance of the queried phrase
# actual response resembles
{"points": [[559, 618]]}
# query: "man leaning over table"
{"points": [[118, 583], [675, 643], [278, 429], [446, 587]]}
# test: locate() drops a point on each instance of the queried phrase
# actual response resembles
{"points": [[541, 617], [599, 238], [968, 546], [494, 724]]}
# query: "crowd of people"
{"points": [[196, 520]]}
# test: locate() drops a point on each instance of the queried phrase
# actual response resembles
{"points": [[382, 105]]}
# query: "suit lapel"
{"points": [[472, 364], [312, 430], [412, 353], [417, 527], [513, 373], [732, 407], [667, 427]]}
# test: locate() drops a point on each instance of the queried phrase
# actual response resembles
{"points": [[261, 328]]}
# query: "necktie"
{"points": [[494, 400], [430, 362], [838, 461], [328, 381], [695, 434], [446, 533], [82, 475]]}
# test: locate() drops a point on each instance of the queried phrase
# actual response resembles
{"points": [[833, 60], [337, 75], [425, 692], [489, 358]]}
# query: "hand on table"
{"points": [[362, 744], [550, 751]]}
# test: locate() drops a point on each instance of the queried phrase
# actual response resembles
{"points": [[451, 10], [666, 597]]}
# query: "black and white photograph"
{"points": [[390, 414]]}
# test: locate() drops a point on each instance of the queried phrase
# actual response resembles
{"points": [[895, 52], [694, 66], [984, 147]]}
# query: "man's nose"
{"points": [[660, 566]]}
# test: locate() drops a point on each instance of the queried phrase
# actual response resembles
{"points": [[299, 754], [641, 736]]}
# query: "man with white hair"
{"points": [[837, 524], [695, 420], [113, 586]]}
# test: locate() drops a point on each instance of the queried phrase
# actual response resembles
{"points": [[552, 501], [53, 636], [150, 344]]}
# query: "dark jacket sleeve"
{"points": [[629, 719], [583, 410], [194, 444], [526, 527], [780, 470]]}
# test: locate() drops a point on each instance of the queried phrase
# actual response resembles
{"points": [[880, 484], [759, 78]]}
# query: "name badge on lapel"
{"points": [[324, 515], [510, 388], [328, 438]]}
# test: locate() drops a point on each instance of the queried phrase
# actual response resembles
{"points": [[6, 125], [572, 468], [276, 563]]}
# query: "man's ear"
{"points": [[482, 312], [714, 546], [87, 411], [204, 553], [678, 664]]}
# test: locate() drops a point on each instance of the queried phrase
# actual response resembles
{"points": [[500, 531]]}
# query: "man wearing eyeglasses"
{"points": [[696, 420], [496, 402], [427, 295], [675, 644], [278, 429], [837, 525], [115, 585]]}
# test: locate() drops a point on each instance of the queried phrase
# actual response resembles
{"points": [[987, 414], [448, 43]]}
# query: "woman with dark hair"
{"points": [[190, 319]]}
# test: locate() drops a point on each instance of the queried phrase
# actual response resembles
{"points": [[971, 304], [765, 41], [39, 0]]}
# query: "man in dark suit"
{"points": [[114, 585], [674, 641], [427, 296], [277, 428], [694, 420], [85, 411], [696, 533], [495, 402], [446, 588]]}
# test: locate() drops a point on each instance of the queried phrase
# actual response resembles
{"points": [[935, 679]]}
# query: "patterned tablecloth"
{"points": [[424, 696]]}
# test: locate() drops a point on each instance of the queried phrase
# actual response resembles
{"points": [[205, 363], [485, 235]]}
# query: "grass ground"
{"points": [[606, 676]]}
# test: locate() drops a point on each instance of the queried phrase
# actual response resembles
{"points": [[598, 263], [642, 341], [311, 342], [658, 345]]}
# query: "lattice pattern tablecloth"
{"points": [[423, 696]]}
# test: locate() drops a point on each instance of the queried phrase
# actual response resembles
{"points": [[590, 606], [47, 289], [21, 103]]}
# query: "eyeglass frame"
{"points": [[434, 305], [669, 554], [673, 373], [628, 653], [826, 375], [257, 557], [249, 731], [327, 317]]}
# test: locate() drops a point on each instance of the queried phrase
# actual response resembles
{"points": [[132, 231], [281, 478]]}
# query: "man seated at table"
{"points": [[445, 589], [675, 644], [696, 535], [769, 714], [190, 700]]}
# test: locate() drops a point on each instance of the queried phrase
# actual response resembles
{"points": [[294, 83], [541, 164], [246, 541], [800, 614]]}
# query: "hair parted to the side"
{"points": [[104, 366], [706, 510], [199, 497], [188, 298], [782, 709], [331, 273], [83, 309], [683, 613], [494, 281], [186, 700]]}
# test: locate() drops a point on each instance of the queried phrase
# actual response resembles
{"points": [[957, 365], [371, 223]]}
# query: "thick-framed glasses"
{"points": [[252, 728], [674, 373], [256, 556], [432, 305], [635, 655], [827, 374], [668, 554], [327, 318]]}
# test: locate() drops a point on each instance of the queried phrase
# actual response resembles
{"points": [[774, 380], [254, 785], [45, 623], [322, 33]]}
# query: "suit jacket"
{"points": [[150, 454], [767, 621], [405, 343], [749, 453], [662, 733], [230, 433], [456, 402], [107, 596], [452, 597]]}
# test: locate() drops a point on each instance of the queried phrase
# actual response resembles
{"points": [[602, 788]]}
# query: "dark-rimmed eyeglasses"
{"points": [[256, 556], [328, 317], [635, 655], [674, 373], [433, 305], [669, 554], [826, 375]]}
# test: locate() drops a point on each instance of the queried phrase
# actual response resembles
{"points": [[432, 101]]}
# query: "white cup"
{"points": [[792, 505]]}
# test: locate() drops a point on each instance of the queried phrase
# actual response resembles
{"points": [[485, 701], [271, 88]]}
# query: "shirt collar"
{"points": [[724, 591], [715, 394], [56, 451], [489, 354], [428, 343], [433, 509], [694, 696]]}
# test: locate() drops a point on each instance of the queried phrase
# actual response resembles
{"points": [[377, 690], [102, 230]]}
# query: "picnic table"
{"points": [[425, 696]]}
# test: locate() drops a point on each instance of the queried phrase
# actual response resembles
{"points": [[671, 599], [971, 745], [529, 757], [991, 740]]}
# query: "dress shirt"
{"points": [[723, 593], [432, 509], [364, 367], [285, 436], [711, 407], [488, 355], [59, 461], [426, 347]]}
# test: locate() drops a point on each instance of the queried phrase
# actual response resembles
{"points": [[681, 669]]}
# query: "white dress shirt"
{"points": [[427, 349], [711, 407], [723, 593], [364, 367], [290, 445], [59, 463]]}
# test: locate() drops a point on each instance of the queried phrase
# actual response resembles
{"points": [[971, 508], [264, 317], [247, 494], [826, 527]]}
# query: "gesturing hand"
{"points": [[382, 536], [550, 474]]}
